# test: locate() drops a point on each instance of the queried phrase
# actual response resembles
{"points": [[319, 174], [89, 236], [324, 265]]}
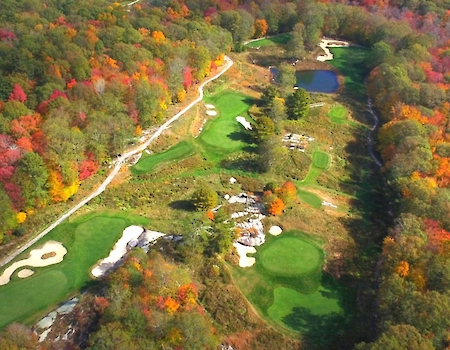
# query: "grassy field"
{"points": [[274, 40], [350, 62], [87, 239], [151, 162]]}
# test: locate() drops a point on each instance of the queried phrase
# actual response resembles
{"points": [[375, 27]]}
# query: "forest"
{"points": [[81, 80]]}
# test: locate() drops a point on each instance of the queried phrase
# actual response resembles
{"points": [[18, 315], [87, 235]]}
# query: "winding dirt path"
{"points": [[122, 159]]}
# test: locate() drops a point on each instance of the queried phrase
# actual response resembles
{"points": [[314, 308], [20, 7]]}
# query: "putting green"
{"points": [[319, 312], [290, 256], [224, 133], [149, 163], [338, 114], [321, 159]]}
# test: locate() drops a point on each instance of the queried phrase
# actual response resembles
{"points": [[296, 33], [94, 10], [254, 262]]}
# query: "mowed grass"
{"points": [[289, 289], [310, 198], [87, 239], [316, 316], [321, 160], [224, 134], [281, 39], [351, 63], [338, 114], [290, 256], [152, 162]]}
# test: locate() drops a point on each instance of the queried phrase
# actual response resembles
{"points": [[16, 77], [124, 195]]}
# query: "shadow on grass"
{"points": [[240, 136], [182, 205], [317, 329]]}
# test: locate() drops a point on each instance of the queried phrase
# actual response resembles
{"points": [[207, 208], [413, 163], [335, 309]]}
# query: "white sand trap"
{"points": [[212, 113], [210, 106], [244, 122], [325, 44], [118, 251], [243, 250], [275, 230], [25, 273], [35, 259]]}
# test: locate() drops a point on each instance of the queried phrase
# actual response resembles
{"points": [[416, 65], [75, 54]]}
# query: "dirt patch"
{"points": [[48, 255]]}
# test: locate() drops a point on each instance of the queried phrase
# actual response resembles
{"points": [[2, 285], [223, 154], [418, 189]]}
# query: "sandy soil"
{"points": [[118, 251], [25, 273], [325, 44], [244, 122], [243, 250], [275, 230], [35, 259]]}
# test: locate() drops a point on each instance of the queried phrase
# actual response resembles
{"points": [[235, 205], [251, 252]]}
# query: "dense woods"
{"points": [[80, 80]]}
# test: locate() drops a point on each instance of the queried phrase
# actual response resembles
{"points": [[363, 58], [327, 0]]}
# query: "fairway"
{"points": [[149, 163], [350, 62], [315, 315], [321, 159], [274, 40], [290, 256], [87, 239], [338, 114]]}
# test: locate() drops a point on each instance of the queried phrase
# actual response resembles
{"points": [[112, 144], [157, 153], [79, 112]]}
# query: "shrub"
{"points": [[204, 198]]}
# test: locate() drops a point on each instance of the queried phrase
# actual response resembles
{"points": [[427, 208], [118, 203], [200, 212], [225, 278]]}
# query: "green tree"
{"points": [[263, 128], [399, 337], [31, 176], [297, 104], [204, 198], [285, 78], [296, 44]]}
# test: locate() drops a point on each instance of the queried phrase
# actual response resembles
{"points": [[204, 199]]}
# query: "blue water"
{"points": [[317, 80], [314, 80]]}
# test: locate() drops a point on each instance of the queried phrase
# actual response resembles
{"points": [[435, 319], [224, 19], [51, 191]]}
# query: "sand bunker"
{"points": [[118, 251], [275, 230], [325, 44], [210, 106], [212, 113], [243, 250], [25, 273], [244, 122], [35, 259]]}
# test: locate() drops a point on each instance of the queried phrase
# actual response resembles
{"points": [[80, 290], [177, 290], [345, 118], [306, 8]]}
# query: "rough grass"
{"points": [[290, 256], [87, 239], [321, 160], [281, 39], [149, 163]]}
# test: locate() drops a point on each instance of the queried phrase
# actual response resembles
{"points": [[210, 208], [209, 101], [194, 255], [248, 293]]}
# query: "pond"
{"points": [[317, 80], [314, 80]]}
